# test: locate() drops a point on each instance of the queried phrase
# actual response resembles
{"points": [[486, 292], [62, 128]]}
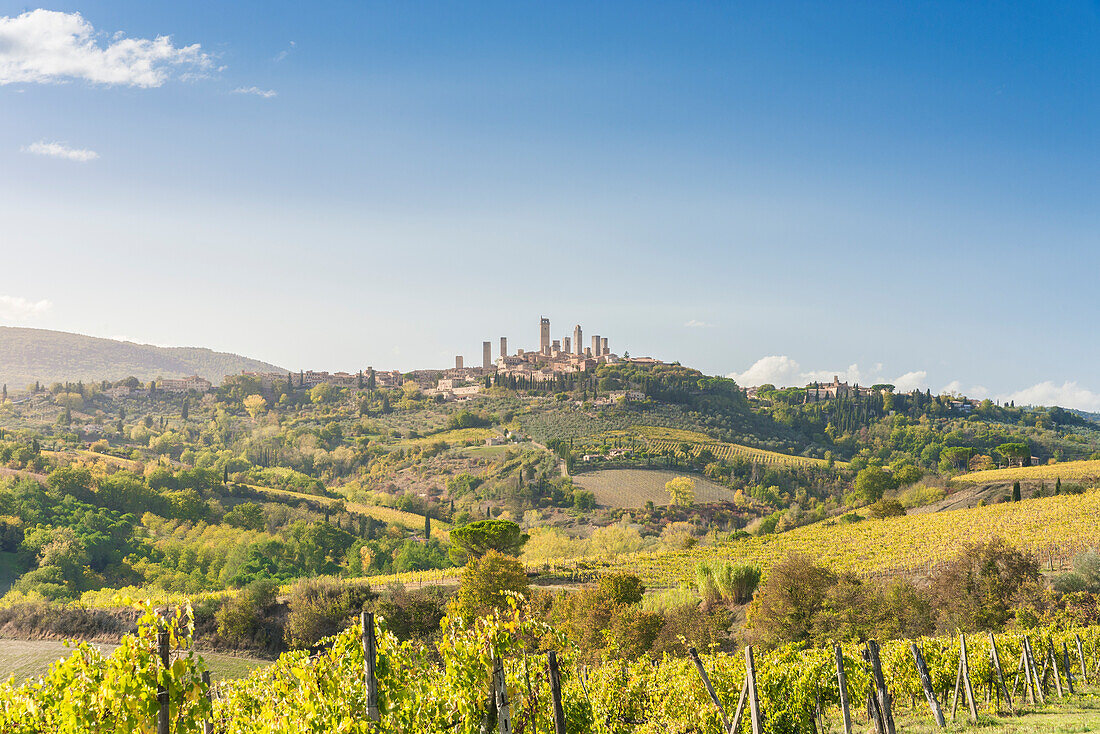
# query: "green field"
{"points": [[635, 487], [25, 658]]}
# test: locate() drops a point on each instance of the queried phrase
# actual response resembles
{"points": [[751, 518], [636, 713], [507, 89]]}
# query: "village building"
{"points": [[186, 384]]}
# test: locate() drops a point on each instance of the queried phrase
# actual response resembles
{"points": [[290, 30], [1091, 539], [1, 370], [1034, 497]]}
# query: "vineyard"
{"points": [[508, 672], [729, 451], [1050, 526], [1069, 471]]}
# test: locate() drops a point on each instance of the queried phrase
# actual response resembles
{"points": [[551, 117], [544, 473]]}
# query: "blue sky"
{"points": [[776, 191]]}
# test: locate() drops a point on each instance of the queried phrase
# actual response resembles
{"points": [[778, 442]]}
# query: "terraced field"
{"points": [[1051, 527], [635, 487], [1069, 471]]}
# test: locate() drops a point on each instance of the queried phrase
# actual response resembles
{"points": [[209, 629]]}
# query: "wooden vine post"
{"points": [[1038, 684], [1066, 666], [882, 696], [370, 656], [842, 683], [926, 684], [999, 679], [754, 699], [555, 692], [163, 652], [1081, 659], [710, 689], [504, 708], [207, 723], [962, 680], [1053, 656], [1022, 669]]}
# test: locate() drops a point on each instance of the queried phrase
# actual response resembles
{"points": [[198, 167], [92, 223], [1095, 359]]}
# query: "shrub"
{"points": [[621, 588], [486, 584], [414, 615], [321, 608], [787, 603], [887, 508], [979, 589], [243, 620], [607, 618], [921, 495]]}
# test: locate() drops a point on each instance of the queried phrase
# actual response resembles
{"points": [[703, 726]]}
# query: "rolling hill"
{"points": [[1050, 527], [29, 355]]}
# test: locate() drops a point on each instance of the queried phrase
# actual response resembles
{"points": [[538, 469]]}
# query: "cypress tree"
{"points": [[1016, 491]]}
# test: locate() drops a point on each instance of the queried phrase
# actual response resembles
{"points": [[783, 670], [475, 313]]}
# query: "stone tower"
{"points": [[486, 354], [577, 336], [544, 335]]}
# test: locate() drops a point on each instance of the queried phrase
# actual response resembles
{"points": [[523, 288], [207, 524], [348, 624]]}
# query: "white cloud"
{"points": [[284, 53], [43, 46], [911, 381], [60, 150], [1066, 395], [776, 369], [14, 308], [853, 374], [697, 324], [782, 371], [265, 93], [955, 387]]}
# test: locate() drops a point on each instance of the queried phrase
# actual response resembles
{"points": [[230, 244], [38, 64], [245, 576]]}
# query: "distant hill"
{"points": [[29, 355]]}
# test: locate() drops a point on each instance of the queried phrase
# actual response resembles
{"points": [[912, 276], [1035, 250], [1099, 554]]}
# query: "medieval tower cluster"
{"points": [[567, 354]]}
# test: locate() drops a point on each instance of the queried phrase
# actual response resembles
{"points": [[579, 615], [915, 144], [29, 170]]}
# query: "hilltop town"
{"points": [[553, 360], [550, 361]]}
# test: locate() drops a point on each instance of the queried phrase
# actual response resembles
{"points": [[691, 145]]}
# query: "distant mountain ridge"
{"points": [[30, 355]]}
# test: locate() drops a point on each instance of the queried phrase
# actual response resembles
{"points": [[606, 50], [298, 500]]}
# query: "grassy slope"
{"points": [[1080, 713], [902, 544], [409, 520], [27, 355], [634, 487], [86, 456], [26, 658], [1069, 471]]}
